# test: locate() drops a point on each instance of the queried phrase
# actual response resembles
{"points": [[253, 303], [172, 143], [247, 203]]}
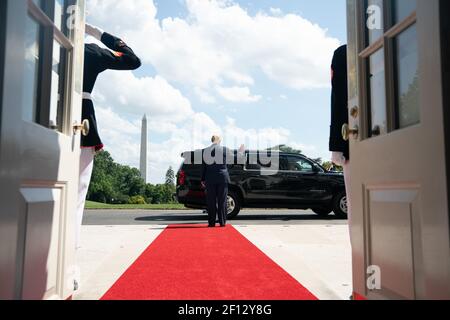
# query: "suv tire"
{"points": [[340, 205], [233, 201]]}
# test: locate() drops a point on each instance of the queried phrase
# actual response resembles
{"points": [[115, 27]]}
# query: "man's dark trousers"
{"points": [[216, 194]]}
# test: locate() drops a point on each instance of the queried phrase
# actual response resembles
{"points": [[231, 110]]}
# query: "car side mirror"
{"points": [[316, 169]]}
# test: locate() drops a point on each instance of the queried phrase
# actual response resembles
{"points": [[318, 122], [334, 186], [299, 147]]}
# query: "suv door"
{"points": [[261, 188], [306, 182]]}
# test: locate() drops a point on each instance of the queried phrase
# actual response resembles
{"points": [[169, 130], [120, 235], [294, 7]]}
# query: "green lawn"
{"points": [[96, 205]]}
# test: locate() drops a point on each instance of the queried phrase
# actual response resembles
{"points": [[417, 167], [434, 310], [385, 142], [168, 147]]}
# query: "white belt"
{"points": [[87, 96]]}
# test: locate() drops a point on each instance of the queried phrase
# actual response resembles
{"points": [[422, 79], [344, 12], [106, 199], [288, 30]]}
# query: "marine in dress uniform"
{"points": [[97, 60], [215, 177], [339, 116], [339, 109]]}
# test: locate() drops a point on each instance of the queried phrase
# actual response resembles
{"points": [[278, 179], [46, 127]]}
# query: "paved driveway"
{"points": [[246, 217]]}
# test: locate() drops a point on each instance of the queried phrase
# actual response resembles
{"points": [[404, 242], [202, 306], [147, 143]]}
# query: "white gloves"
{"points": [[94, 32], [338, 158]]}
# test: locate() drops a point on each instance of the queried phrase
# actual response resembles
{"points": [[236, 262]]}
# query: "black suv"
{"points": [[295, 182]]}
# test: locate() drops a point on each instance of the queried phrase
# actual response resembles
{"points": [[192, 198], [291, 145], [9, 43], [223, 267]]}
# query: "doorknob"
{"points": [[84, 128], [347, 132]]}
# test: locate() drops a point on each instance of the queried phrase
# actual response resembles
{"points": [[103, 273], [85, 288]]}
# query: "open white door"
{"points": [[41, 86], [399, 191]]}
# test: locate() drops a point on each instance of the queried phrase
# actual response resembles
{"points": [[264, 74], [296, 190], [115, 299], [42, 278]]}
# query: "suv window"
{"points": [[254, 162], [297, 164]]}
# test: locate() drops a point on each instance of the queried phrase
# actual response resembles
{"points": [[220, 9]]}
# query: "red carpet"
{"points": [[192, 262]]}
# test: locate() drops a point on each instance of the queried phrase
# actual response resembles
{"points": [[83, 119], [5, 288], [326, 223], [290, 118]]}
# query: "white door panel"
{"points": [[398, 174], [390, 222], [44, 213], [42, 84]]}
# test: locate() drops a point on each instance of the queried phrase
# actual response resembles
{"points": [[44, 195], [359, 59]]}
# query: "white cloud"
{"points": [[255, 139], [276, 11], [310, 150], [237, 94], [204, 96], [118, 16], [220, 43], [120, 136], [126, 93]]}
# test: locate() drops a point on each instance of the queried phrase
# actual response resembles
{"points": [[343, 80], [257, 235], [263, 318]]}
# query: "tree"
{"points": [[137, 200], [150, 193], [170, 177], [130, 181], [330, 166], [168, 192], [158, 194], [169, 187], [112, 182], [102, 183], [410, 100], [118, 184]]}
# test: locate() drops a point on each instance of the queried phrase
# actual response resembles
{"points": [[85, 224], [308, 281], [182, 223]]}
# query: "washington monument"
{"points": [[144, 149]]}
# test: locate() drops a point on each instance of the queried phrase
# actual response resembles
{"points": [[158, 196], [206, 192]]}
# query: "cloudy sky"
{"points": [[254, 71]]}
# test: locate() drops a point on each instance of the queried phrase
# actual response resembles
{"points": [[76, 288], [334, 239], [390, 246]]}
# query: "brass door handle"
{"points": [[84, 128], [347, 132]]}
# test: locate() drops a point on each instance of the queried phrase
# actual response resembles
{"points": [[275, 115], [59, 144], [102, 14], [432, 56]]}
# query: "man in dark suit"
{"points": [[215, 178]]}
